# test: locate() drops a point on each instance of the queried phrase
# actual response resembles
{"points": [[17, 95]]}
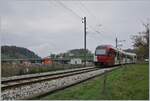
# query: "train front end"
{"points": [[103, 56]]}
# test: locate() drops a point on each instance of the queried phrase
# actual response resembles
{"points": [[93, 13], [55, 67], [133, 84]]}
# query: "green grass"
{"points": [[21, 69], [127, 83]]}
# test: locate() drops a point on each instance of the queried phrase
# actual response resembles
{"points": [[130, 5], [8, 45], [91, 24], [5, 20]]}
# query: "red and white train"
{"points": [[107, 55]]}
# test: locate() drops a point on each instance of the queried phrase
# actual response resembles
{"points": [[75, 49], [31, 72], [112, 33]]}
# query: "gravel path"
{"points": [[29, 91]]}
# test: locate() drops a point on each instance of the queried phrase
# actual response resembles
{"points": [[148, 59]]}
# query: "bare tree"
{"points": [[141, 43]]}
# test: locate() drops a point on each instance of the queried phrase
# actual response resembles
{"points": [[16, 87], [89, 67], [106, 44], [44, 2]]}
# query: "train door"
{"points": [[124, 58], [111, 55], [116, 57]]}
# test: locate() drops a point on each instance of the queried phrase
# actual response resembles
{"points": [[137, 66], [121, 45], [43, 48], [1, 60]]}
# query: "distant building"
{"points": [[27, 63], [70, 54], [47, 61], [76, 61]]}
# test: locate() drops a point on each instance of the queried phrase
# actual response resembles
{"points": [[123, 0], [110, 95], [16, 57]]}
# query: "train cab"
{"points": [[104, 55], [107, 55]]}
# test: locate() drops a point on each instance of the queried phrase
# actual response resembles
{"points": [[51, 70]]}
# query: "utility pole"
{"points": [[116, 42], [84, 21]]}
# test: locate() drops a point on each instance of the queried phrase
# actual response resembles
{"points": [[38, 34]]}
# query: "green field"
{"points": [[129, 83]]}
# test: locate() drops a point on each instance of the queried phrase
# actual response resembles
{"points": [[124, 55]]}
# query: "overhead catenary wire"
{"points": [[85, 13], [95, 18], [73, 12], [59, 3], [90, 14], [88, 11], [78, 16], [66, 7]]}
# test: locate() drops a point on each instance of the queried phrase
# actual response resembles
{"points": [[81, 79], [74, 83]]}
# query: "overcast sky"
{"points": [[56, 26]]}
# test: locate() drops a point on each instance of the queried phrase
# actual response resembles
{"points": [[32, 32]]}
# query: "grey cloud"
{"points": [[46, 26]]}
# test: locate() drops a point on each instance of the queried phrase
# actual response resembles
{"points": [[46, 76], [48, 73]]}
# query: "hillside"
{"points": [[13, 52]]}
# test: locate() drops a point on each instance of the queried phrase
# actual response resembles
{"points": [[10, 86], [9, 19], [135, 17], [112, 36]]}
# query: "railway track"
{"points": [[30, 86], [13, 82]]}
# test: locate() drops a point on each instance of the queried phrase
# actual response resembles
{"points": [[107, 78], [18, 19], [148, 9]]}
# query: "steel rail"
{"points": [[106, 70], [29, 76], [43, 78], [84, 74]]}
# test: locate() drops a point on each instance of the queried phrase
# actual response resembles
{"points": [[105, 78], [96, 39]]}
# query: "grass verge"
{"points": [[128, 83]]}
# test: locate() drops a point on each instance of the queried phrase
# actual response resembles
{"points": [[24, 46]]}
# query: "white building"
{"points": [[76, 61]]}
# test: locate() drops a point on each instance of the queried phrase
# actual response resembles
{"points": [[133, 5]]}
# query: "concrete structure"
{"points": [[76, 61]]}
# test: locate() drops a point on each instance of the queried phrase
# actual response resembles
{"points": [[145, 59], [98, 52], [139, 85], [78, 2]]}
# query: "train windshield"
{"points": [[100, 52]]}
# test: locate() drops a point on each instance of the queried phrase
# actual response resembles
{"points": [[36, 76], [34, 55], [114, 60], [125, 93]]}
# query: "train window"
{"points": [[111, 53], [100, 52]]}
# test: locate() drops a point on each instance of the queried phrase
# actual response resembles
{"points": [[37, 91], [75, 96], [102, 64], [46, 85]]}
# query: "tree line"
{"points": [[141, 43]]}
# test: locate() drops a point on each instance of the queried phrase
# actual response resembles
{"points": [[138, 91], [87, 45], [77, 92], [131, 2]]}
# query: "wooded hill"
{"points": [[14, 52]]}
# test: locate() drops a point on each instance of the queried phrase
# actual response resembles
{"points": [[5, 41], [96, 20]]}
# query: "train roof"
{"points": [[105, 46], [132, 54], [126, 53], [116, 49]]}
